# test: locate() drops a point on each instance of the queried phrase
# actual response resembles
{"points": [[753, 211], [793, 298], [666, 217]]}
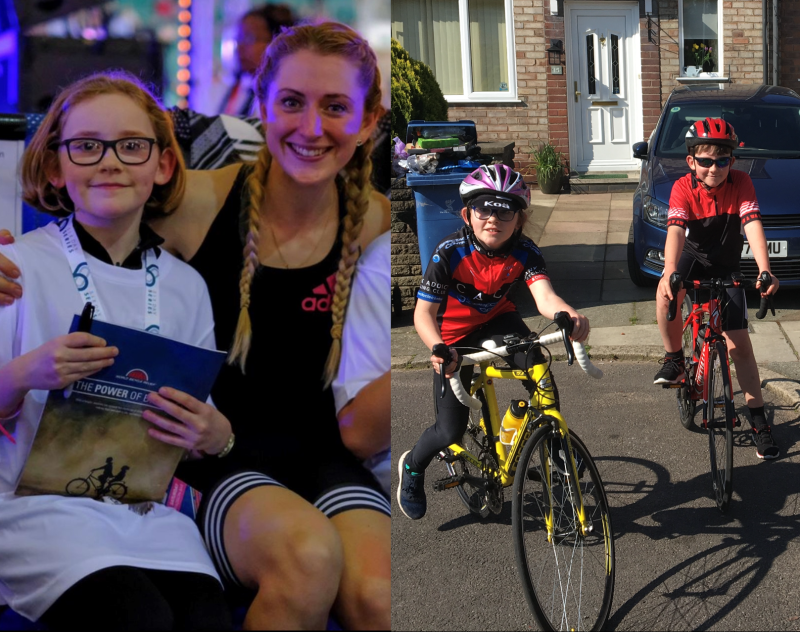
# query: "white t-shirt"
{"points": [[49, 542], [366, 342]]}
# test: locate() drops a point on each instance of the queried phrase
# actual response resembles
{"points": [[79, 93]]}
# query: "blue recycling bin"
{"points": [[438, 208]]}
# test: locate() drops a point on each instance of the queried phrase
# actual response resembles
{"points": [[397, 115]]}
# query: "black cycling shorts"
{"points": [[734, 306], [333, 486]]}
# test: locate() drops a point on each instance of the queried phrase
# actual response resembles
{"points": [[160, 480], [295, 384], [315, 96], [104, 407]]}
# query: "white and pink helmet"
{"points": [[489, 179]]}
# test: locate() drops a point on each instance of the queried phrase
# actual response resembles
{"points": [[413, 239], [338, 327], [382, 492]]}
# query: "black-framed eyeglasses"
{"points": [[503, 214], [85, 152], [707, 162]]}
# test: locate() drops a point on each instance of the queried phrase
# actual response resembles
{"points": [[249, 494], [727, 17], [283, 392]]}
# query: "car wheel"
{"points": [[638, 277]]}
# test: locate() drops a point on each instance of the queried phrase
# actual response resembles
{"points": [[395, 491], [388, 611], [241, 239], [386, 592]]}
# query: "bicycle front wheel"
{"points": [[567, 576], [686, 406], [720, 414]]}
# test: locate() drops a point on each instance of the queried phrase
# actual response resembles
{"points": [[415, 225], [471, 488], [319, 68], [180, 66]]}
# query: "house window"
{"points": [[468, 45], [700, 28]]}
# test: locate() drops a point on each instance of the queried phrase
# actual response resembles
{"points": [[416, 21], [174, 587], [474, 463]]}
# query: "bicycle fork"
{"points": [[576, 497]]}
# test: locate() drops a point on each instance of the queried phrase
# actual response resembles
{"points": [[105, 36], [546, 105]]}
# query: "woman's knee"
{"points": [[281, 536], [369, 604]]}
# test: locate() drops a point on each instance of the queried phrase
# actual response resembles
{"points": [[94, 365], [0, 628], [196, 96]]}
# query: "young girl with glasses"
{"points": [[103, 159]]}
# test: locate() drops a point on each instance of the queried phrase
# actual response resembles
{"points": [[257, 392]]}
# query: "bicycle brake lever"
{"points": [[766, 301], [564, 323], [442, 351], [675, 286]]}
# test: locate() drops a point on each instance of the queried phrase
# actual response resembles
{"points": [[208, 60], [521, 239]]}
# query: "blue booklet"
{"points": [[92, 440]]}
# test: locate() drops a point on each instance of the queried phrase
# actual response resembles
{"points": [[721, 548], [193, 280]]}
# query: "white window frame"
{"points": [[720, 40], [466, 60], [469, 96]]}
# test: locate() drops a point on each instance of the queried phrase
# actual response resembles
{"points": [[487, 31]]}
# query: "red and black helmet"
{"points": [[711, 131]]}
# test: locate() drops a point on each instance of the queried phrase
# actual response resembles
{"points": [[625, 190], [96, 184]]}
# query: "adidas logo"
{"points": [[323, 294]]}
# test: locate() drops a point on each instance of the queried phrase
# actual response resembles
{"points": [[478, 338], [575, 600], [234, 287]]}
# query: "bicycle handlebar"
{"points": [[676, 284], [482, 356]]}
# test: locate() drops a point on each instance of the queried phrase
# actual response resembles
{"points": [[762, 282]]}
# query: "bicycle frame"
{"points": [[542, 402], [713, 334]]}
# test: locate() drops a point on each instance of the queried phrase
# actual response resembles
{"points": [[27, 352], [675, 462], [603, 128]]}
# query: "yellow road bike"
{"points": [[563, 540]]}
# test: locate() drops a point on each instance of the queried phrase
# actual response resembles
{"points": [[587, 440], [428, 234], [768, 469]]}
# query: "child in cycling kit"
{"points": [[709, 209], [463, 300], [103, 158]]}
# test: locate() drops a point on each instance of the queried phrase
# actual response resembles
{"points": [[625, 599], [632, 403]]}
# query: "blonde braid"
{"points": [[255, 184], [357, 190]]}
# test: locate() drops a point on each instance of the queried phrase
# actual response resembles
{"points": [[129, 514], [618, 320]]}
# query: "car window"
{"points": [[764, 129]]}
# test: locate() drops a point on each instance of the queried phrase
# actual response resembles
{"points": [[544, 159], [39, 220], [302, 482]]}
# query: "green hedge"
{"points": [[415, 92]]}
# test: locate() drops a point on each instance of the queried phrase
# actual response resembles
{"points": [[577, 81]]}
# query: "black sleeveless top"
{"points": [[282, 418]]}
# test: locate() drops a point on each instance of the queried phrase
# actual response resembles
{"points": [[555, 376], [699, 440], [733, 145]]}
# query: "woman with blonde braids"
{"points": [[289, 515]]}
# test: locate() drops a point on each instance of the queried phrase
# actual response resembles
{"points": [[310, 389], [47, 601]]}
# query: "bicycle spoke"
{"points": [[568, 577], [720, 426]]}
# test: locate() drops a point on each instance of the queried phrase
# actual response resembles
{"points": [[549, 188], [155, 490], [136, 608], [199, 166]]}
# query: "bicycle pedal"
{"points": [[737, 423], [676, 385], [446, 483]]}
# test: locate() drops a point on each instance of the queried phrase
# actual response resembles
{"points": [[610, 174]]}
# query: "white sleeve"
{"points": [[366, 342]]}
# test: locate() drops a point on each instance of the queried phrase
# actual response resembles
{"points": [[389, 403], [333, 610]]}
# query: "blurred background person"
{"points": [[255, 31]]}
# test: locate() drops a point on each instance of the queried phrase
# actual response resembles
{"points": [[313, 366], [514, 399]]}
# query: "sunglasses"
{"points": [[707, 162], [503, 214]]}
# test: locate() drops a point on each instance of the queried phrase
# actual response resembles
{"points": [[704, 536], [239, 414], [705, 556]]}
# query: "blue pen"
{"points": [[84, 324]]}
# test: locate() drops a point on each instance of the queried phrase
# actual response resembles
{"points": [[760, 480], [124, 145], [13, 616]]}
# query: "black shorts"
{"points": [[734, 306], [333, 486]]}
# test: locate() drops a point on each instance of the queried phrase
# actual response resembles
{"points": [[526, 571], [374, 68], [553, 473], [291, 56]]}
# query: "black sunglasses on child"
{"points": [[707, 162], [503, 214]]}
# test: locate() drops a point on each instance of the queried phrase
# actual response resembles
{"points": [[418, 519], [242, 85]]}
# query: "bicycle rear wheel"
{"points": [[720, 415], [474, 440], [569, 579]]}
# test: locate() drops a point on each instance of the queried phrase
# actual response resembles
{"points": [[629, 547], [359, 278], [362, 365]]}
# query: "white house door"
{"points": [[603, 91]]}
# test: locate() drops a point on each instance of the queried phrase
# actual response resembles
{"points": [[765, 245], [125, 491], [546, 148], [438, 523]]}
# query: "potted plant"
{"points": [[549, 168], [703, 61]]}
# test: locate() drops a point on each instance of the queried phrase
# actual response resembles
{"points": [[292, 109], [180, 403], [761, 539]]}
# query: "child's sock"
{"points": [[411, 465], [675, 355], [759, 421]]}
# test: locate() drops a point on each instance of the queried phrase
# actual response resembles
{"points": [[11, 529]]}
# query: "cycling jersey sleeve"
{"points": [[680, 203], [436, 280], [748, 204], [535, 267]]}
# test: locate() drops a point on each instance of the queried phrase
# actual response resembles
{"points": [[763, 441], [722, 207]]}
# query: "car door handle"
{"points": [[577, 94]]}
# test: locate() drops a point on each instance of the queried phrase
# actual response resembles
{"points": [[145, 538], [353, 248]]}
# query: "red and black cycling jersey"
{"points": [[714, 218], [472, 285]]}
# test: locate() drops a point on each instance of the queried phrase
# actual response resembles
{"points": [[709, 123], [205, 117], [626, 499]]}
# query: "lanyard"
{"points": [[83, 278]]}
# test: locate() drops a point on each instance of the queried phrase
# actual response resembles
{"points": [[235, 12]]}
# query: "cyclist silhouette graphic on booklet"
{"points": [[104, 484]]}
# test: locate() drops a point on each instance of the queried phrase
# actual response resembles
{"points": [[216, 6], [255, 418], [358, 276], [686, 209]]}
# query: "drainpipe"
{"points": [[764, 57], [774, 42]]}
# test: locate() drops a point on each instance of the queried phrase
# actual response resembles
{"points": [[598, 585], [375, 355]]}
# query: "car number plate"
{"points": [[774, 248]]}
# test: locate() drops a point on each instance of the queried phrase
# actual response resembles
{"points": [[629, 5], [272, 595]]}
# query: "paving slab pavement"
{"points": [[582, 241]]}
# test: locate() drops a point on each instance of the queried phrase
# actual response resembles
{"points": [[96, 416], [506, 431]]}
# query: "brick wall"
{"points": [[557, 93], [406, 267], [743, 40], [651, 82]]}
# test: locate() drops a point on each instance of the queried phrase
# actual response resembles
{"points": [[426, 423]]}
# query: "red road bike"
{"points": [[708, 374]]}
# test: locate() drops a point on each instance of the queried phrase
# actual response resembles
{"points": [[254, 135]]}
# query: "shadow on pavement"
{"points": [[708, 584]]}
